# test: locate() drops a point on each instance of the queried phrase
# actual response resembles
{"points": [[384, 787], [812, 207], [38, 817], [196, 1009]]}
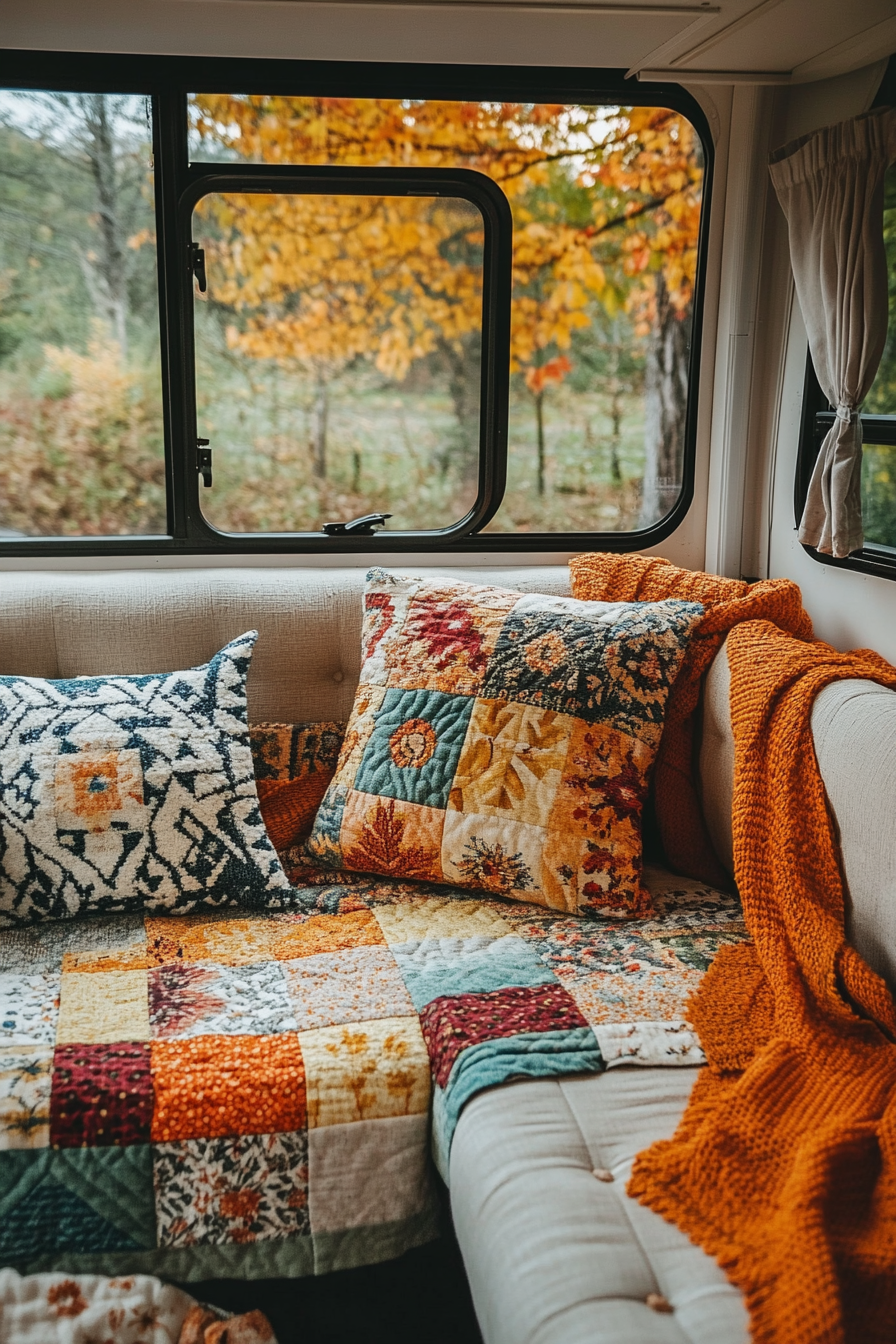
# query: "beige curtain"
{"points": [[831, 188]]}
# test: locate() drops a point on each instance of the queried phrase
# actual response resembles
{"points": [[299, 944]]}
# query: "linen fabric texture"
{"points": [[503, 742], [831, 188], [132, 792]]}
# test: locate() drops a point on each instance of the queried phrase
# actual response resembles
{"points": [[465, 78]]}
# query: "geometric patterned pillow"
{"points": [[294, 763], [503, 741], [131, 792]]}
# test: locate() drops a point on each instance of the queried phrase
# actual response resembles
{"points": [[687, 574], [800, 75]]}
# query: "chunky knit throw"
{"points": [[784, 1165], [728, 602]]}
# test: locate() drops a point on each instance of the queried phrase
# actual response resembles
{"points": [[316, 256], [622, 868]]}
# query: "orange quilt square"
{"points": [[213, 1086], [327, 933]]}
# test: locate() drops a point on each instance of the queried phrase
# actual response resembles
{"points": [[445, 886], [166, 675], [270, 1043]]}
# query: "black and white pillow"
{"points": [[132, 792]]}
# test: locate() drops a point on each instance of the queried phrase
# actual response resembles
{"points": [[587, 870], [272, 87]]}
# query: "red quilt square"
{"points": [[101, 1097], [453, 1023]]}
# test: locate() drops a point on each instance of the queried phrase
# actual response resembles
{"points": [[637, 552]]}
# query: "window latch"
{"points": [[197, 266], [204, 461], [358, 527]]}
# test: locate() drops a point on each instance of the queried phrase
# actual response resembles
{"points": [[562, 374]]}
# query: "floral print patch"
{"points": [[503, 742], [211, 1192]]}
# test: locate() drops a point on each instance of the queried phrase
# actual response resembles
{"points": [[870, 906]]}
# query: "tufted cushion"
{"points": [[555, 1255]]}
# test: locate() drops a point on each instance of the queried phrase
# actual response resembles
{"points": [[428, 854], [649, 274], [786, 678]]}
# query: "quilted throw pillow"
{"points": [[294, 763], [503, 741], [124, 793]]}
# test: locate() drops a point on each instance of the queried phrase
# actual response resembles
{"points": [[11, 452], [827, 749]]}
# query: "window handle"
{"points": [[358, 527], [197, 266], [204, 461]]}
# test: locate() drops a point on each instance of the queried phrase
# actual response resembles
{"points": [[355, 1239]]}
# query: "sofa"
{"points": [[555, 1251]]}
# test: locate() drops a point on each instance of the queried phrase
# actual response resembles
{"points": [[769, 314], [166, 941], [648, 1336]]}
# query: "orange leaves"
{"points": [[602, 198], [554, 371]]}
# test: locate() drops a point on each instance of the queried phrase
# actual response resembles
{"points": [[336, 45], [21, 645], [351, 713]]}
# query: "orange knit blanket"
{"points": [[784, 1165], [638, 578]]}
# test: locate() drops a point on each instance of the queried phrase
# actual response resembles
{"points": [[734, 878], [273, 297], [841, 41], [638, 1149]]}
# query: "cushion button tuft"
{"points": [[603, 1174], [339, 676], [656, 1302]]}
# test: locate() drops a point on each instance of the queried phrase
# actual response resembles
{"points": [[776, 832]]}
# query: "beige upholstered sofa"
{"points": [[554, 1254]]}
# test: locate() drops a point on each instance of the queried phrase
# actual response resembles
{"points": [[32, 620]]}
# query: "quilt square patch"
{"points": [[365, 1071], [415, 918], [327, 933], [29, 1008], [493, 854], [214, 1192], [446, 640], [102, 1096], [225, 937], [512, 762], [387, 836], [413, 750], [650, 995], [369, 1172], [103, 1008], [210, 1087], [358, 984], [199, 999], [452, 1024], [511, 748], [44, 947], [26, 1075]]}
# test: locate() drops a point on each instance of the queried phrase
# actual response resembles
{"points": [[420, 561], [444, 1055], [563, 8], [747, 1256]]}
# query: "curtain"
{"points": [[831, 188]]}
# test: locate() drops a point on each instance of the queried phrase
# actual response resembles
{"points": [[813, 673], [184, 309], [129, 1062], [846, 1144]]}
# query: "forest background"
{"points": [[338, 348]]}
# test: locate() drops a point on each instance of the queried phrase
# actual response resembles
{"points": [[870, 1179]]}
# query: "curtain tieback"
{"points": [[846, 413]]}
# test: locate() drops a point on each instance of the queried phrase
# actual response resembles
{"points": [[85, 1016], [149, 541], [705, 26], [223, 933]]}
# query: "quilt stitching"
{"points": [[374, 1009]]}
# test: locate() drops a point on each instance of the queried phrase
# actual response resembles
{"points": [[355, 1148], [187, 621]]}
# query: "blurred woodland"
{"points": [[338, 347]]}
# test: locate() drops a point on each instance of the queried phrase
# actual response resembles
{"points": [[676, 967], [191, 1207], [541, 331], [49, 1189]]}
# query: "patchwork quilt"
{"points": [[257, 1095]]}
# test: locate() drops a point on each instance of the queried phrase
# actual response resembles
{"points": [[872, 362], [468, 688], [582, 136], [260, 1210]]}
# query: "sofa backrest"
{"points": [[308, 657], [307, 664], [854, 731]]}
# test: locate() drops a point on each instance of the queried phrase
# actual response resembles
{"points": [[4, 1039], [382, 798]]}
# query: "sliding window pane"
{"points": [[606, 204], [338, 359]]}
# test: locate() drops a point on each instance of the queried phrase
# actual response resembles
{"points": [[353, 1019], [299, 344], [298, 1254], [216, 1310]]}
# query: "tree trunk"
{"points": [[321, 415], [665, 404], [111, 261], [464, 379], [539, 428]]}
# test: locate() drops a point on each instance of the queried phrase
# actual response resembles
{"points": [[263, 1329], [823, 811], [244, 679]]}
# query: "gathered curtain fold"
{"points": [[831, 188]]}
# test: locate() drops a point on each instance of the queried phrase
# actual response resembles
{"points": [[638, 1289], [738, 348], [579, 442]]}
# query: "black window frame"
{"points": [[817, 416], [167, 80]]}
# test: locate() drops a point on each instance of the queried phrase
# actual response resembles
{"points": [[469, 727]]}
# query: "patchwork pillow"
{"points": [[503, 741], [132, 792], [294, 763]]}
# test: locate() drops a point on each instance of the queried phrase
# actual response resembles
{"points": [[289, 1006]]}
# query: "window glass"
{"points": [[338, 358], [879, 460], [81, 435], [606, 208]]}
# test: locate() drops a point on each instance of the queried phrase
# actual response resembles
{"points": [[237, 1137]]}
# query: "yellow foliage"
{"points": [[328, 278]]}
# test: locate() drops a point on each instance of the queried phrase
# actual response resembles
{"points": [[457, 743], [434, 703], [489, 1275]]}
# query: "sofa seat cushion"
{"points": [[556, 1255]]}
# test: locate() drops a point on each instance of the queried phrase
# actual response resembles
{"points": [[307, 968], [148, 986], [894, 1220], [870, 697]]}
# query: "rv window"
{"points": [[878, 555], [606, 211], [464, 299], [81, 429]]}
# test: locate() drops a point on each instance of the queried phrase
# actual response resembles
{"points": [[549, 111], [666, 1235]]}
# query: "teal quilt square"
{"points": [[415, 746]]}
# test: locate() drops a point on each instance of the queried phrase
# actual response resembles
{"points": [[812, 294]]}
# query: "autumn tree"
{"points": [[605, 205]]}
